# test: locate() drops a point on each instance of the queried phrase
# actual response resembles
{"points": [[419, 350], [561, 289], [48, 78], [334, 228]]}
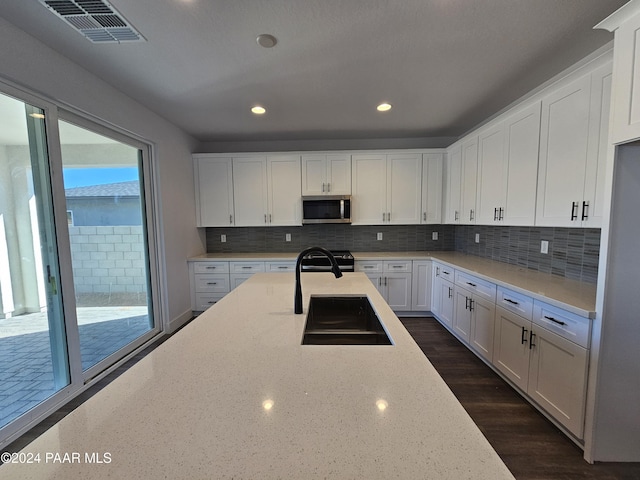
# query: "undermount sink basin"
{"points": [[343, 320]]}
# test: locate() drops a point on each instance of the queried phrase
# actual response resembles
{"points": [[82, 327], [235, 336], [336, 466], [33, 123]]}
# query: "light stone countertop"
{"points": [[195, 407], [575, 296]]}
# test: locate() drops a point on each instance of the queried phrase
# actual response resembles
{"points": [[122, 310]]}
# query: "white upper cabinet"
{"points": [[522, 137], [492, 175], [214, 191], [452, 178], [573, 152], [369, 189], [283, 182], [626, 109], [507, 169], [404, 188], [432, 180], [386, 189], [326, 174], [250, 191], [469, 180]]}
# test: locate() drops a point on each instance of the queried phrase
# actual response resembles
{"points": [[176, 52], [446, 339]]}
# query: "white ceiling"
{"points": [[445, 65]]}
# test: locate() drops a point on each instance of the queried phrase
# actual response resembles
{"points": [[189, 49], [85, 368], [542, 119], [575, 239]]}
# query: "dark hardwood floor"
{"points": [[530, 445]]}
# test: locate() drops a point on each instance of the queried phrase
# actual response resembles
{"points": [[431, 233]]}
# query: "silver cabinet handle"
{"points": [[231, 219], [383, 216], [424, 216], [269, 218], [210, 268], [328, 187], [585, 211], [212, 283], [388, 216], [471, 214], [574, 211], [322, 187], [456, 216]]}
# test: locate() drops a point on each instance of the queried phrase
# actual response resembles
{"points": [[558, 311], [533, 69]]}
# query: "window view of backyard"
{"points": [[109, 259]]}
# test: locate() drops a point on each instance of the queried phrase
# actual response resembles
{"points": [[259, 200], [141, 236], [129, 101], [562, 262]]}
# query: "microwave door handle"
{"points": [[342, 209]]}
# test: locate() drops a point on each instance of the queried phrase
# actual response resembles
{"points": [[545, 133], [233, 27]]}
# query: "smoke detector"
{"points": [[97, 20]]}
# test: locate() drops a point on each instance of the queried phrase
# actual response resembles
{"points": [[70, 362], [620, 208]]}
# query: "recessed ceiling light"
{"points": [[267, 41], [384, 107], [258, 110]]}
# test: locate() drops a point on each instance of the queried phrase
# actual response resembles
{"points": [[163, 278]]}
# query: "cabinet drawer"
{"points": [[280, 266], [368, 266], [210, 267], [246, 267], [476, 285], [568, 325], [212, 283], [204, 301], [515, 302], [397, 266], [444, 272]]}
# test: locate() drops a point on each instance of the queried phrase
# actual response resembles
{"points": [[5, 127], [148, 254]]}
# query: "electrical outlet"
{"points": [[477, 238], [434, 235], [223, 238], [287, 237], [544, 246], [379, 236]]}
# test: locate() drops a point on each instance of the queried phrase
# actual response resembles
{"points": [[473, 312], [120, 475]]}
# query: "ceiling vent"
{"points": [[97, 20]]}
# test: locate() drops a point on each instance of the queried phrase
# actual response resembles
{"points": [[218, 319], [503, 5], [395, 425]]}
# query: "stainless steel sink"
{"points": [[343, 320]]}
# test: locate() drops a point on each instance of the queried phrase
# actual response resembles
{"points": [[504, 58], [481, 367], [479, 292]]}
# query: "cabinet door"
{"points": [[558, 378], [564, 137], [398, 290], [421, 286], [462, 314], [600, 148], [511, 347], [369, 189], [378, 280], [469, 180], [404, 189], [492, 176], [339, 174], [522, 137], [453, 178], [626, 110], [285, 203], [482, 332], [214, 192], [447, 303], [314, 171], [432, 168], [436, 287], [250, 191]]}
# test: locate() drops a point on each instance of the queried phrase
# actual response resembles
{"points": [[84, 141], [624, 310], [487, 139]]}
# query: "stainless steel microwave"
{"points": [[326, 209]]}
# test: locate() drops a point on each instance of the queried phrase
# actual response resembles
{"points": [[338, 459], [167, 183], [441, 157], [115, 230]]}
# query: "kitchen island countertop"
{"points": [[235, 395]]}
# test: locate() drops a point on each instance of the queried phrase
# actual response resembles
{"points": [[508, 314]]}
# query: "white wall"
{"points": [[31, 64]]}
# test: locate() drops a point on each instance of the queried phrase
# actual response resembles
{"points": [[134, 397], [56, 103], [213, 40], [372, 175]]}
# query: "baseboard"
{"points": [[179, 321]]}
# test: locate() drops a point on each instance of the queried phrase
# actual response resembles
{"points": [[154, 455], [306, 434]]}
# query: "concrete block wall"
{"points": [[108, 260]]}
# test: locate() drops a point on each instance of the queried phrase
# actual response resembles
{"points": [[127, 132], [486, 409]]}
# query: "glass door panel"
{"points": [[34, 363], [104, 192]]}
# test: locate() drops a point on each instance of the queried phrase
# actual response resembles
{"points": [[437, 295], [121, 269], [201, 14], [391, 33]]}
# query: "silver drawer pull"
{"points": [[555, 321], [212, 283], [367, 266], [246, 268], [210, 268], [283, 267], [211, 302], [397, 266], [472, 284], [511, 301]]}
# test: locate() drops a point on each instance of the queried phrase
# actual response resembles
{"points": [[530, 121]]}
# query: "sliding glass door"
{"points": [[34, 361], [78, 264], [105, 201]]}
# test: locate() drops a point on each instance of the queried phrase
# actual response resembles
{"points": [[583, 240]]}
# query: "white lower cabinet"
{"points": [[442, 298], [393, 279], [421, 286], [547, 366], [475, 313], [209, 283], [541, 349], [241, 271]]}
